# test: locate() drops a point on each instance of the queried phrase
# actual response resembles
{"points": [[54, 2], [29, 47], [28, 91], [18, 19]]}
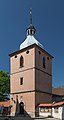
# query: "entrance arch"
{"points": [[21, 105]]}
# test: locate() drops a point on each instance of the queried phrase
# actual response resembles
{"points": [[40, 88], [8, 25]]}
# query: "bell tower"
{"points": [[30, 75]]}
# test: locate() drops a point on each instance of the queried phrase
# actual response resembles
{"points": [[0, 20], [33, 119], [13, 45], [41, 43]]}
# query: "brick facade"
{"points": [[36, 85]]}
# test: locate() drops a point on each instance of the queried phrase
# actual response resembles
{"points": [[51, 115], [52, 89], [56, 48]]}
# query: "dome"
{"points": [[30, 40]]}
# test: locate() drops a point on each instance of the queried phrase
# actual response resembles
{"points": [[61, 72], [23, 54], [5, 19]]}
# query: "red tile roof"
{"points": [[51, 104], [6, 104], [58, 104], [46, 105]]}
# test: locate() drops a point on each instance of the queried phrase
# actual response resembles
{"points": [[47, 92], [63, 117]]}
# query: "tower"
{"points": [[30, 75]]}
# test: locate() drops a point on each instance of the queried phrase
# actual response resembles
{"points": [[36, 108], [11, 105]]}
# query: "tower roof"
{"points": [[30, 40]]}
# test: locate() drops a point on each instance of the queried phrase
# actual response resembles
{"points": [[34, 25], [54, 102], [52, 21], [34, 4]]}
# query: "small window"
{"points": [[39, 52], [21, 61], [42, 109], [56, 109], [31, 31], [28, 32], [21, 81], [44, 62], [15, 56], [47, 58], [27, 51]]}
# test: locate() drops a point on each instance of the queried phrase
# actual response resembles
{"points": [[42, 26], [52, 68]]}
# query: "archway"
{"points": [[21, 108]]}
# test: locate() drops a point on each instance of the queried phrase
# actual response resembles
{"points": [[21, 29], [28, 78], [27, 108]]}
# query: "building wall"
{"points": [[41, 98], [35, 78], [29, 61], [28, 81], [27, 72], [43, 82], [43, 78], [40, 53], [45, 111], [28, 99], [55, 111], [43, 75], [59, 94], [56, 98], [60, 113]]}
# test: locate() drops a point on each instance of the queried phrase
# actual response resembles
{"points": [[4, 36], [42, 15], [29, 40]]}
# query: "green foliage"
{"points": [[4, 86]]}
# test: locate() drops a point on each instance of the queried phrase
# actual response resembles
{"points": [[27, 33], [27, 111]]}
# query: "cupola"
{"points": [[30, 40]]}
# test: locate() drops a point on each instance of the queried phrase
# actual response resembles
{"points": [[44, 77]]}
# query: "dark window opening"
{"points": [[47, 58], [31, 31], [44, 62], [15, 56], [21, 61], [21, 81], [39, 52], [27, 52], [28, 32]]}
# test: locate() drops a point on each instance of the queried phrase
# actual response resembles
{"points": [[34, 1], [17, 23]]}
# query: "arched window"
{"points": [[44, 65], [21, 61]]}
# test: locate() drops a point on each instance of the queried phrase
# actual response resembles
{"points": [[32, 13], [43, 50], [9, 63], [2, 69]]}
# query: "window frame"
{"points": [[44, 62], [21, 61], [21, 81]]}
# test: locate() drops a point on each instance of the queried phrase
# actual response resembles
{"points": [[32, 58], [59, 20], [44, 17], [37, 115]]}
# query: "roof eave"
{"points": [[31, 46]]}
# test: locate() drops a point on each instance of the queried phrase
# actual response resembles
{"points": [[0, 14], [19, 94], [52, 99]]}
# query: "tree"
{"points": [[4, 86]]}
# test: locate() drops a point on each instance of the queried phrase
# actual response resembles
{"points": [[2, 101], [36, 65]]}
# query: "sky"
{"points": [[48, 19]]}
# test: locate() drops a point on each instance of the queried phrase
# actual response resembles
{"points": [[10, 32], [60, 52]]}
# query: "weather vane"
{"points": [[30, 16]]}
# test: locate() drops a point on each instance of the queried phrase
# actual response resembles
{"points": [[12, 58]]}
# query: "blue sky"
{"points": [[48, 19]]}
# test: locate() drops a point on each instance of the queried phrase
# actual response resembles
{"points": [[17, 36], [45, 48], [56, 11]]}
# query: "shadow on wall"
{"points": [[20, 111]]}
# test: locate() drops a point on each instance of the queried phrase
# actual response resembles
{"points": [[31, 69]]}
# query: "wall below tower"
{"points": [[41, 98], [28, 99]]}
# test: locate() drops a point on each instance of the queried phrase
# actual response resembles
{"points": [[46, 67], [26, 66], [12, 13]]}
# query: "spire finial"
{"points": [[31, 29], [30, 16]]}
